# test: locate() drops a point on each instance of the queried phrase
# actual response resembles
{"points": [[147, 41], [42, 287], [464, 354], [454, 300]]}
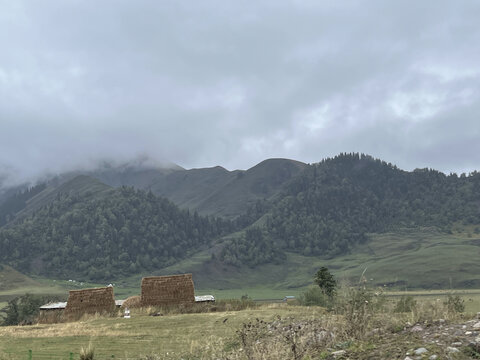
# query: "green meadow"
{"points": [[407, 259]]}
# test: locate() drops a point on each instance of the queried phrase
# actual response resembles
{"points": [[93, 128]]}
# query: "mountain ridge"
{"points": [[321, 211], [205, 190]]}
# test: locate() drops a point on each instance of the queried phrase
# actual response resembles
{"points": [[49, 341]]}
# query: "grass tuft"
{"points": [[87, 353]]}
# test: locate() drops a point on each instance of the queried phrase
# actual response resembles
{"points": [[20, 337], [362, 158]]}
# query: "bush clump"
{"points": [[405, 304], [455, 304], [314, 296]]}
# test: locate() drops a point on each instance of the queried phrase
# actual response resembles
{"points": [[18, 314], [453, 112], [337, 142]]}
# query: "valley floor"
{"points": [[268, 331]]}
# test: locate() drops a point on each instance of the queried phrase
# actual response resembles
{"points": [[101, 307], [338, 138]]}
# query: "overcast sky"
{"points": [[231, 83]]}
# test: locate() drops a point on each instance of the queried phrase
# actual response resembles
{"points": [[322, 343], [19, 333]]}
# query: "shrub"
{"points": [[357, 309], [245, 297], [287, 338], [405, 304], [314, 296], [359, 305], [455, 304]]}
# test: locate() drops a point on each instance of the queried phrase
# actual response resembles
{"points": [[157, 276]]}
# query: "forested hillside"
{"points": [[124, 233], [333, 204]]}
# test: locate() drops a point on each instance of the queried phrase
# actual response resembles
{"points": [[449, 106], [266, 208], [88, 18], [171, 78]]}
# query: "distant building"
{"points": [[51, 312], [205, 298]]}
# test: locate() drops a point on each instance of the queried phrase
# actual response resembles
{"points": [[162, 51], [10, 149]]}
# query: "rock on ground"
{"points": [[420, 351]]}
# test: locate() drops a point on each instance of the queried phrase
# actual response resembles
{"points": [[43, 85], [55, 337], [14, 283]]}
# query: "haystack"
{"points": [[89, 301], [132, 302], [167, 290]]}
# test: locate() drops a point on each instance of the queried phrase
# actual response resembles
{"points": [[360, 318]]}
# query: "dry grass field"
{"points": [[267, 331], [169, 336], [471, 297]]}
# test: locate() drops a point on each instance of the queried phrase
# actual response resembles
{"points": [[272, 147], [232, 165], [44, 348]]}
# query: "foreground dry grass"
{"points": [[142, 335], [367, 330]]}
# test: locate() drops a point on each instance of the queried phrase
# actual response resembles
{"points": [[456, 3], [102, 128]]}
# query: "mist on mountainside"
{"points": [[18, 177]]}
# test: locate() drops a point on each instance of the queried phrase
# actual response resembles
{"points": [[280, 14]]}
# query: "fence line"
{"points": [[31, 355]]}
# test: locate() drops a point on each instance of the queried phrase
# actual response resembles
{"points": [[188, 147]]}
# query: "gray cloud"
{"points": [[232, 83]]}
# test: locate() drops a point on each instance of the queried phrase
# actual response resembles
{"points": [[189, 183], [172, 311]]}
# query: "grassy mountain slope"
{"points": [[138, 174], [209, 191], [190, 188], [219, 192], [408, 258], [81, 185], [14, 283], [12, 279], [260, 182]]}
